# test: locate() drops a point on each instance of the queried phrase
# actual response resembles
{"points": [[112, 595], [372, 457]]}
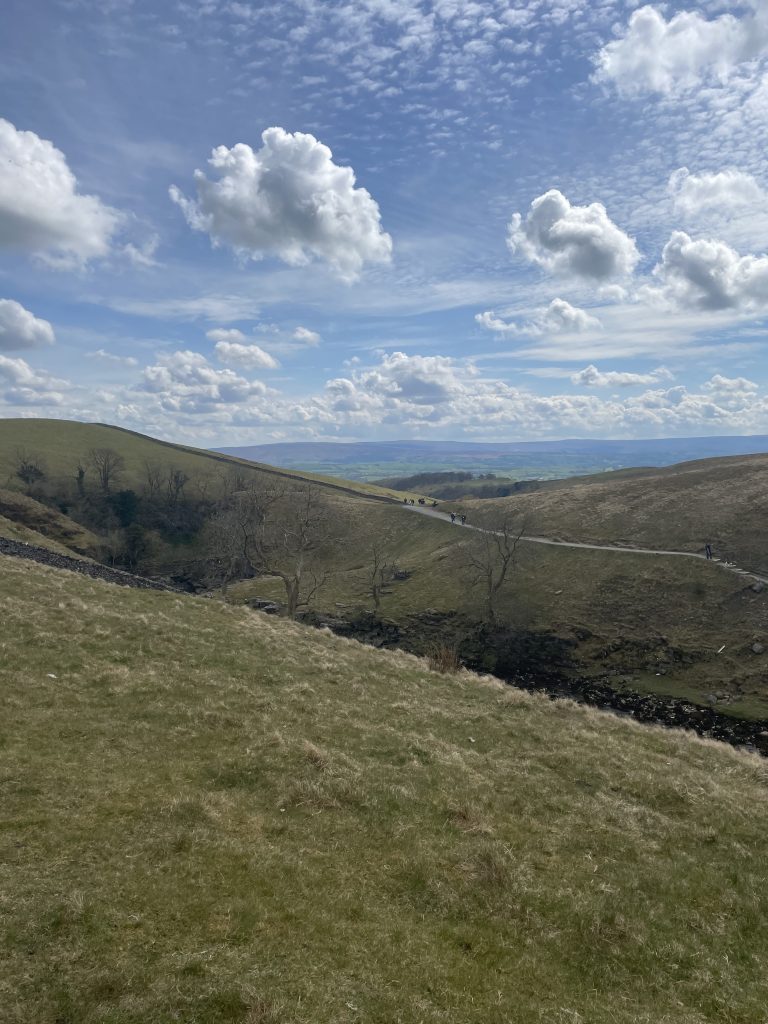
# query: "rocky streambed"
{"points": [[545, 663]]}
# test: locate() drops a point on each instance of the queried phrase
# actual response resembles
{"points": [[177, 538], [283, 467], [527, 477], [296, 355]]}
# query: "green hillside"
{"points": [[24, 519], [210, 815], [669, 626], [720, 501], [62, 442]]}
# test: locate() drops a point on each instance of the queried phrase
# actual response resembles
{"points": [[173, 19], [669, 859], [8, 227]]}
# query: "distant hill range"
{"points": [[372, 460]]}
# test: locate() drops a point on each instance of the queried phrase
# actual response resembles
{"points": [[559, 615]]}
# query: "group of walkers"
{"points": [[455, 516]]}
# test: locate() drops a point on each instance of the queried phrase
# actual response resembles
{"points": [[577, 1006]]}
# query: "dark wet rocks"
{"points": [[99, 572], [263, 604], [545, 663]]}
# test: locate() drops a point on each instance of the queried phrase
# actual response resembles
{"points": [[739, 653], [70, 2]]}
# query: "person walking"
{"points": [[453, 517], [708, 551]]}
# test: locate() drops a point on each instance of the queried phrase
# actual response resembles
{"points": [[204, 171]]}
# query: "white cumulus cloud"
{"points": [[708, 274], [305, 335], [581, 241], [185, 382], [21, 329], [656, 55], [591, 377], [25, 386], [41, 210], [559, 317], [288, 199], [725, 192], [427, 393], [233, 347]]}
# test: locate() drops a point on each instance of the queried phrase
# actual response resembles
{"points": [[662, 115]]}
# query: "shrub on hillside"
{"points": [[444, 658]]}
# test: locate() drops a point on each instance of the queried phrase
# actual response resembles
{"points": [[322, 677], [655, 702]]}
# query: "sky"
{"points": [[229, 222]]}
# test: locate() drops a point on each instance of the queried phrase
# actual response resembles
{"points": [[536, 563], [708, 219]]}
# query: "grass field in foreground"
{"points": [[209, 815]]}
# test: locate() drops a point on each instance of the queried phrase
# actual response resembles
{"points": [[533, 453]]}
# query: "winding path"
{"points": [[728, 566]]}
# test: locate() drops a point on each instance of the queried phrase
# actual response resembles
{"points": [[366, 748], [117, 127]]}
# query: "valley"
{"points": [[655, 624], [220, 806]]}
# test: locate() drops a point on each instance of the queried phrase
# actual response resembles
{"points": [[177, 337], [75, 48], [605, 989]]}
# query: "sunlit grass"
{"points": [[209, 815]]}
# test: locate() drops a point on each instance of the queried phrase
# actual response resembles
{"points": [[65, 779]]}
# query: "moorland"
{"points": [[670, 625], [214, 814]]}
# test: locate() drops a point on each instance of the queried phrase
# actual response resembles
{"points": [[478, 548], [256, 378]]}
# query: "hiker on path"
{"points": [[453, 517], [708, 550], [463, 520]]}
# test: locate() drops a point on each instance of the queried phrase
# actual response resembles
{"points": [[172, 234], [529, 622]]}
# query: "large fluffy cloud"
{"points": [[21, 329], [433, 392], [21, 385], [40, 208], [185, 382], [578, 240], [725, 192], [232, 347], [288, 199], [656, 55], [708, 274], [558, 317]]}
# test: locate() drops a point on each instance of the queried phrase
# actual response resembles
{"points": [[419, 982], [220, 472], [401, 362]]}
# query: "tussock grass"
{"points": [[209, 815], [444, 658]]}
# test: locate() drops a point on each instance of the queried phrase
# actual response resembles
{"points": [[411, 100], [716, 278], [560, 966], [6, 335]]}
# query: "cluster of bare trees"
{"points": [[272, 530], [250, 528]]}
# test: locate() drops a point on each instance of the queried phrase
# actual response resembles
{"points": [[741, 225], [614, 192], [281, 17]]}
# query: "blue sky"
{"points": [[224, 221]]}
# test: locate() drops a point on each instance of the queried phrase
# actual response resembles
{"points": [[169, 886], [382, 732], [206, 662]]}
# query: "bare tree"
{"points": [[491, 560], [108, 465], [80, 470], [271, 532], [231, 534], [233, 479], [28, 467], [176, 480], [202, 485], [153, 478], [380, 571], [287, 544]]}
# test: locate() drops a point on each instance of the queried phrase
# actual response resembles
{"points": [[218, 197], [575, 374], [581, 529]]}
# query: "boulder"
{"points": [[757, 648]]}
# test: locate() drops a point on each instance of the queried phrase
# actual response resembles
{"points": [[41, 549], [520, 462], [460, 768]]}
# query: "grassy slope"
{"points": [[681, 507], [61, 442], [213, 816], [693, 605], [24, 519]]}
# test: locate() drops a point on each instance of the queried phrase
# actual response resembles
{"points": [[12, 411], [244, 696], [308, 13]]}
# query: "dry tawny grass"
{"points": [[210, 816]]}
